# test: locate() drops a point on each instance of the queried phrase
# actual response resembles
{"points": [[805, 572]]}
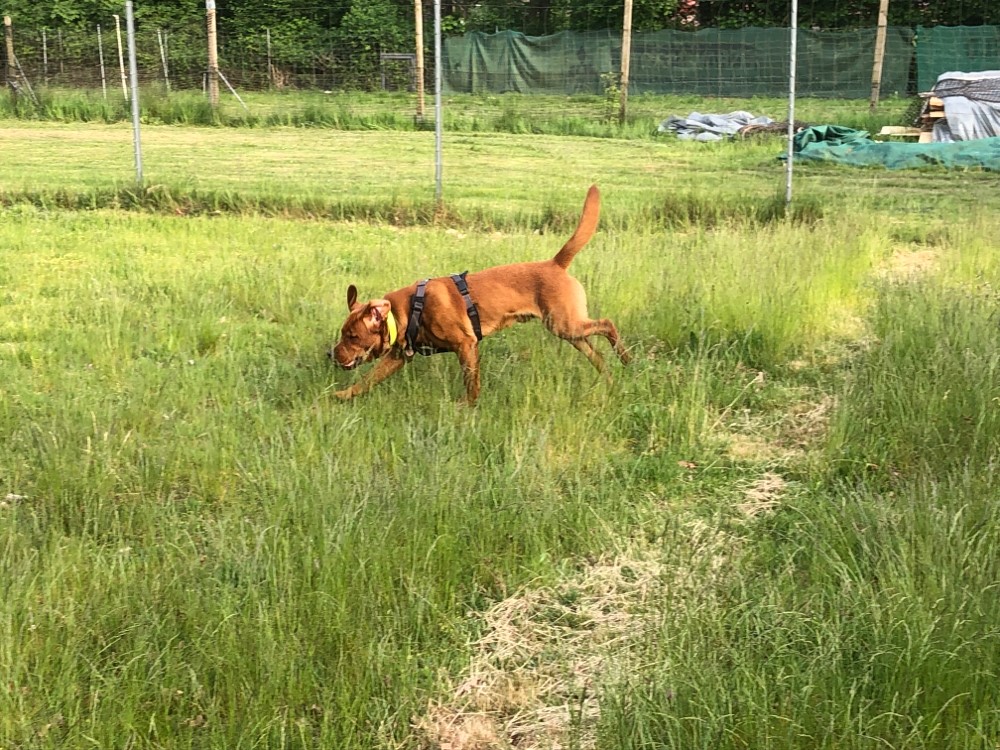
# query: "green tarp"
{"points": [[712, 62], [840, 145]]}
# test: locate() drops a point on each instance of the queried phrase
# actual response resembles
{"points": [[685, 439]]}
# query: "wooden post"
{"points": [[626, 60], [100, 54], [45, 57], [161, 38], [121, 55], [8, 37], [419, 22], [883, 16], [213, 54], [270, 64]]}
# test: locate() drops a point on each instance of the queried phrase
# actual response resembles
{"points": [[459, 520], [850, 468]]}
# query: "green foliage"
{"points": [[596, 14], [847, 14], [294, 40], [369, 28], [246, 17]]}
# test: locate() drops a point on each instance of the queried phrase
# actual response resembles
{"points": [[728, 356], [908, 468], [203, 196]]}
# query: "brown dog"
{"points": [[504, 295]]}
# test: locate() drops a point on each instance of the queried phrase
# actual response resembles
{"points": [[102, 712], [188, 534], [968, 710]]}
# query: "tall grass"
{"points": [[848, 619], [923, 399], [862, 613], [205, 549], [210, 549]]}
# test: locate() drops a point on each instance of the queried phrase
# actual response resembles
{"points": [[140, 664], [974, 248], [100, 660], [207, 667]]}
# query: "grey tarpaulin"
{"points": [[971, 106], [699, 127]]}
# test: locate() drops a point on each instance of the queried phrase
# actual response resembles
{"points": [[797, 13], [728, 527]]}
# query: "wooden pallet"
{"points": [[932, 111], [900, 131]]}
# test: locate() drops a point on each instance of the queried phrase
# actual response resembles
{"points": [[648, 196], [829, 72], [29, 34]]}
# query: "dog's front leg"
{"points": [[385, 367], [468, 356]]}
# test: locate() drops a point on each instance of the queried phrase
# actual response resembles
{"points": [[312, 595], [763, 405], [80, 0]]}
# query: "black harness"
{"points": [[417, 311]]}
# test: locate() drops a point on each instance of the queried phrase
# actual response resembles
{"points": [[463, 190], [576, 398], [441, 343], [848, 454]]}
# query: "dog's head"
{"points": [[363, 335]]}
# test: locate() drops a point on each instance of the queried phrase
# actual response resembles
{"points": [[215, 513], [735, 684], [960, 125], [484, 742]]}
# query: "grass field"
{"points": [[777, 528]]}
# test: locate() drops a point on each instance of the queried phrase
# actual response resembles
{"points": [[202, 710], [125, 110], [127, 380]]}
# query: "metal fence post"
{"points": [[438, 189], [134, 78]]}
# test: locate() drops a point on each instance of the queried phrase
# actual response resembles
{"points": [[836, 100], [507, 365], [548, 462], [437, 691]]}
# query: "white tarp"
{"points": [[971, 106], [699, 127]]}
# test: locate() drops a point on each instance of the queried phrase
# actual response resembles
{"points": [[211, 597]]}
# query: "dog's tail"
{"points": [[584, 230]]}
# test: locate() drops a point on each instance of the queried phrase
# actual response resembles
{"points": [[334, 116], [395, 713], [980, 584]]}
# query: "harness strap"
{"points": [[416, 311], [417, 302], [470, 307]]}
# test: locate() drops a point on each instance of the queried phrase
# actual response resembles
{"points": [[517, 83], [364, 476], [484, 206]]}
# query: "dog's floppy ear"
{"points": [[378, 310], [352, 297]]}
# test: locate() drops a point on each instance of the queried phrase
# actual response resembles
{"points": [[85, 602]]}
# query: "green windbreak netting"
{"points": [[565, 63], [944, 49], [715, 62], [755, 61]]}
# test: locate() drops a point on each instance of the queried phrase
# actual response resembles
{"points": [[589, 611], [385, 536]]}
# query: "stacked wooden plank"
{"points": [[931, 112]]}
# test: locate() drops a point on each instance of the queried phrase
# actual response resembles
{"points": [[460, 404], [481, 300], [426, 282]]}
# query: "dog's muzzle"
{"points": [[339, 361]]}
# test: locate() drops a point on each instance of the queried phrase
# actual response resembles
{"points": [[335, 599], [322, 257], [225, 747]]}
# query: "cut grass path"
{"points": [[483, 173]]}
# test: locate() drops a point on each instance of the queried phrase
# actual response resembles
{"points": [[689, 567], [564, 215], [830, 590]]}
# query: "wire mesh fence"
{"points": [[308, 55], [177, 60]]}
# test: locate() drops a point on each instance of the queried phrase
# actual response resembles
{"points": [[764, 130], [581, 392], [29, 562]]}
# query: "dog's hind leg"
{"points": [[565, 314], [578, 334], [584, 346], [606, 328]]}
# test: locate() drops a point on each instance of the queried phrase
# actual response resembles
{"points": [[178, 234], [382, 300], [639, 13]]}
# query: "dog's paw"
{"points": [[345, 395]]}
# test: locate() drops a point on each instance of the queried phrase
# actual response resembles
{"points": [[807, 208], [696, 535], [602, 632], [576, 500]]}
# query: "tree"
{"points": [[847, 14], [368, 28]]}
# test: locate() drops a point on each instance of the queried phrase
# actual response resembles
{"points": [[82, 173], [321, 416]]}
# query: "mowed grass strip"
{"points": [[578, 115], [490, 179]]}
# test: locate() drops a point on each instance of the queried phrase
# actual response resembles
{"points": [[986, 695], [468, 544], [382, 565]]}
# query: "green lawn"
{"points": [[776, 529]]}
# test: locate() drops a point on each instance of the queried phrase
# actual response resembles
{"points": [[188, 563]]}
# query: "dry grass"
{"points": [[799, 429], [535, 675], [532, 677], [763, 496], [806, 423], [907, 264]]}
